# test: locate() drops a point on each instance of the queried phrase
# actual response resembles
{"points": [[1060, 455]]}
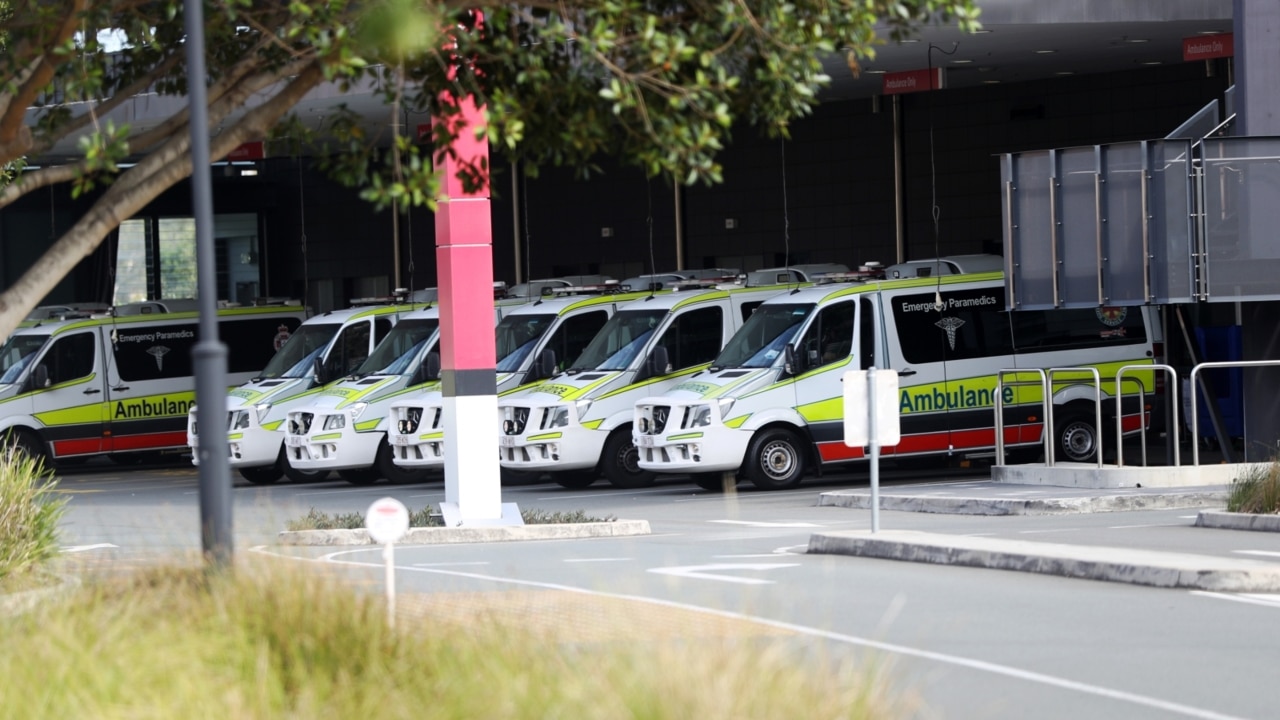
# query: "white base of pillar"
{"points": [[453, 517], [472, 476]]}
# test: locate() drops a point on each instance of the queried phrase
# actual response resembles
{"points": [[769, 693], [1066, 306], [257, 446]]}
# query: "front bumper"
{"points": [[248, 443], [678, 436], [326, 439], [416, 435], [545, 437]]}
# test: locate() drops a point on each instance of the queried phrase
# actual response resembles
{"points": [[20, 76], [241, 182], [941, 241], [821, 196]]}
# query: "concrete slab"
{"points": [[1083, 475], [1138, 567], [992, 498]]}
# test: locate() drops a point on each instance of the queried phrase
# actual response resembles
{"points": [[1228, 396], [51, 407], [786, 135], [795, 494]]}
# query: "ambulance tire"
{"points": [[775, 460], [359, 476], [621, 462], [715, 481], [293, 474], [262, 475], [27, 443], [388, 469], [1075, 436], [576, 479]]}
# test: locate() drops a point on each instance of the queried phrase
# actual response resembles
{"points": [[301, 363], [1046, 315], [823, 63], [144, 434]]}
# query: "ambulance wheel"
{"points": [[388, 468], [261, 475], [27, 443], [299, 476], [359, 476], [1076, 437], [621, 462], [715, 481], [575, 479], [775, 460]]}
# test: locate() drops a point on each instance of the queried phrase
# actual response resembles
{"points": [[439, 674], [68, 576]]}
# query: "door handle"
{"points": [[906, 373], [92, 391], [120, 388]]}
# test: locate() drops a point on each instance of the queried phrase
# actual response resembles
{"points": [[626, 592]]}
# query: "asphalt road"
{"points": [[973, 643]]}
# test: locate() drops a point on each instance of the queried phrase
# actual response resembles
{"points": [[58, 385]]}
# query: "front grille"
{"points": [[660, 415], [409, 423], [300, 423]]}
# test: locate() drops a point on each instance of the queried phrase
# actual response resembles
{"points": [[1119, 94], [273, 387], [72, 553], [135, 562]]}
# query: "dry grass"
{"points": [[1257, 492], [29, 515], [276, 641]]}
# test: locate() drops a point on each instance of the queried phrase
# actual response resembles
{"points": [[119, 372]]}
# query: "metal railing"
{"points": [[999, 403], [1142, 410], [1050, 440], [1195, 417]]}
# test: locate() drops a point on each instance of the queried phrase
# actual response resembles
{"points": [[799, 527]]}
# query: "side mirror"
{"points": [[658, 362], [545, 364], [430, 369], [792, 362], [40, 377], [318, 369]]}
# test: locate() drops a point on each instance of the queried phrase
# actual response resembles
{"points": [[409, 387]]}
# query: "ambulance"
{"points": [[769, 408], [120, 383], [576, 425], [325, 348], [343, 425], [533, 341]]}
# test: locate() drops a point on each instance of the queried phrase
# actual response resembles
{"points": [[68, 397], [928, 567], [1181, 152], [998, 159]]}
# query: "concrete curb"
{"points": [[1238, 521], [1137, 567], [450, 535], [1027, 506]]}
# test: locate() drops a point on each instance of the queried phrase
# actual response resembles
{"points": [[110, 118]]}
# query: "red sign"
{"points": [[1208, 47], [247, 151], [911, 81], [424, 131]]}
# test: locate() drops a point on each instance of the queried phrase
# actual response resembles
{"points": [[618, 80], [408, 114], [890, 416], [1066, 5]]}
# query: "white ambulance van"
{"points": [[577, 424], [324, 348], [533, 342], [343, 425], [770, 407], [120, 383]]}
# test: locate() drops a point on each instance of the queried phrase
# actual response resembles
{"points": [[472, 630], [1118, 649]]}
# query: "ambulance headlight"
{"points": [[357, 410], [643, 424], [700, 416], [239, 420], [726, 404], [560, 417], [337, 421], [582, 406], [262, 409]]}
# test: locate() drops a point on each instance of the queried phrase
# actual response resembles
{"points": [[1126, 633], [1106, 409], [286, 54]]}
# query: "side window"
{"points": [[867, 335], [748, 308], [1036, 330], [252, 342], [970, 324], [151, 352], [694, 337], [351, 348], [381, 326], [571, 338], [830, 335], [70, 358]]}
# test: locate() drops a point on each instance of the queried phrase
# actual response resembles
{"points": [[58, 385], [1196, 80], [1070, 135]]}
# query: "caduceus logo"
{"points": [[158, 352], [951, 325]]}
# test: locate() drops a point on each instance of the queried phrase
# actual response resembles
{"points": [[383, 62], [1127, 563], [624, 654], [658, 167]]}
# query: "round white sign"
{"points": [[387, 520]]}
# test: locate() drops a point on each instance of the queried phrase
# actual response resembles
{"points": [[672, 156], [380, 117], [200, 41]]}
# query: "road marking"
{"points": [[1264, 553], [586, 560], [752, 555], [450, 564], [1130, 527], [1250, 599], [956, 660], [83, 548], [1188, 517], [700, 571], [767, 524]]}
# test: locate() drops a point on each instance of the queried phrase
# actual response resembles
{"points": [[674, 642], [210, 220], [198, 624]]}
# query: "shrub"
{"points": [[1258, 491], [29, 515]]}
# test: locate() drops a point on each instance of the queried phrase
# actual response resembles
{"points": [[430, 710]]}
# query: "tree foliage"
{"points": [[656, 83]]}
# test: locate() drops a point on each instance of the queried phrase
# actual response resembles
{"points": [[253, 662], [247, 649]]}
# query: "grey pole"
{"points": [[209, 354], [874, 436]]}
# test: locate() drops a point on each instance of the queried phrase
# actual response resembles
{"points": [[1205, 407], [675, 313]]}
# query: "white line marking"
{"points": [[957, 660], [82, 548], [1264, 553], [767, 524], [699, 571], [1188, 517], [754, 555], [587, 560], [1130, 527], [450, 564], [792, 550], [1273, 601]]}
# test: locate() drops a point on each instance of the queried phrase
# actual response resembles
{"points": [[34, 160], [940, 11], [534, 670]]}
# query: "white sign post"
{"points": [[871, 420], [387, 522]]}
